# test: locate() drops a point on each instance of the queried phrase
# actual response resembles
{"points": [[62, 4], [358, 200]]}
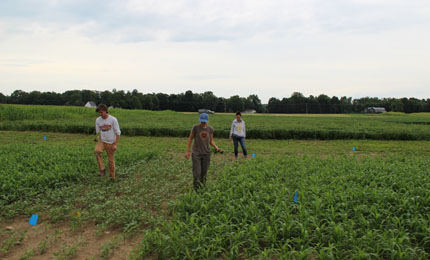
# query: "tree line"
{"points": [[191, 102], [298, 103]]}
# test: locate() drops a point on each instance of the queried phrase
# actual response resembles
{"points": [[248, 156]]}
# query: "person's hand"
{"points": [[114, 146], [218, 150], [187, 155], [95, 139], [231, 139]]}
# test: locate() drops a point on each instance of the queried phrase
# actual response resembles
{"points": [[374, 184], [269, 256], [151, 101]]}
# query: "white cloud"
{"points": [[270, 48]]}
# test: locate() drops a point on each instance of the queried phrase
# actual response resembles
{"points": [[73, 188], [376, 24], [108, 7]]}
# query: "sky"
{"points": [[271, 48]]}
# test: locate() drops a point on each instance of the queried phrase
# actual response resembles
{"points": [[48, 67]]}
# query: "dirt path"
{"points": [[47, 241]]}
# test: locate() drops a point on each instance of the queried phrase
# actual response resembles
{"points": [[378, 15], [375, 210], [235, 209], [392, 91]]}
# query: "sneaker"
{"points": [[102, 172]]}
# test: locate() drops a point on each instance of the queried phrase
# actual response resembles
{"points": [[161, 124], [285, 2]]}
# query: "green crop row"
{"points": [[280, 134], [347, 208], [27, 170], [390, 126]]}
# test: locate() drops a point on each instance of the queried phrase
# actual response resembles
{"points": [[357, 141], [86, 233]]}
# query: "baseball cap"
{"points": [[204, 118]]}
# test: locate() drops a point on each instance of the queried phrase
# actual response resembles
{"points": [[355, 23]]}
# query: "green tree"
{"points": [[346, 104], [119, 99], [75, 99], [174, 102], [155, 102], [19, 97], [235, 103], [89, 95], [106, 97], [209, 100], [187, 102], [335, 105], [51, 98], [35, 98], [324, 102], [221, 105], [274, 105], [396, 105], [2, 98], [412, 105], [135, 102], [254, 103], [147, 102], [163, 101], [296, 103]]}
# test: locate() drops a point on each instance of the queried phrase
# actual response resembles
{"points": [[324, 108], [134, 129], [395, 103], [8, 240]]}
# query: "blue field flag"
{"points": [[33, 220]]}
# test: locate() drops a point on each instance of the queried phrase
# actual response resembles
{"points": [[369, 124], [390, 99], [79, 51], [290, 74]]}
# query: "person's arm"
{"points": [[213, 143], [96, 138], [115, 145], [117, 132], [190, 140], [231, 130], [244, 130]]}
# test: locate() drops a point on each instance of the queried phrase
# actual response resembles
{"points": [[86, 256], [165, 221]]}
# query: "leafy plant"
{"points": [[346, 208], [107, 249], [13, 239]]}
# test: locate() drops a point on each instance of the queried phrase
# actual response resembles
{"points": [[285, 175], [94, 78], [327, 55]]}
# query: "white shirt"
{"points": [[109, 129], [238, 128]]}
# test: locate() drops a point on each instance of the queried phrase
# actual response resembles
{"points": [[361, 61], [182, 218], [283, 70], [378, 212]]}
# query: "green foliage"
{"points": [[389, 126], [347, 208], [108, 248], [127, 204], [12, 239], [44, 245], [68, 251], [31, 169], [371, 203], [28, 254]]}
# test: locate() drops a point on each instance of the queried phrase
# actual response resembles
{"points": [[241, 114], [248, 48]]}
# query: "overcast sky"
{"points": [[272, 48]]}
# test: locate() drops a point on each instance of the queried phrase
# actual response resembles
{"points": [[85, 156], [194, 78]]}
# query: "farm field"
{"points": [[388, 126], [369, 203]]}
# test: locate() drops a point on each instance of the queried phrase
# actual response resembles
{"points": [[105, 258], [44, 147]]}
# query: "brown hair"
{"points": [[102, 107]]}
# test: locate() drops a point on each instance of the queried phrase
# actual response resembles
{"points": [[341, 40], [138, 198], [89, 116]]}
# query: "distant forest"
{"points": [[191, 102]]}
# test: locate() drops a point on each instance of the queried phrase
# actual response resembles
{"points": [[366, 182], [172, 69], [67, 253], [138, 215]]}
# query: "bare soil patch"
{"points": [[49, 241]]}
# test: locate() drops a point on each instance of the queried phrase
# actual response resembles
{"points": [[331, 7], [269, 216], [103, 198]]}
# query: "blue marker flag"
{"points": [[44, 137], [33, 220], [253, 155], [295, 197], [353, 148]]}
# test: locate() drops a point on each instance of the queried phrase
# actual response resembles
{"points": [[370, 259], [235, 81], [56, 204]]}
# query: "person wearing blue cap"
{"points": [[203, 136]]}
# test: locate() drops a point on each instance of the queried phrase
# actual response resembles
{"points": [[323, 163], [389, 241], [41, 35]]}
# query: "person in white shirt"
{"points": [[238, 134], [108, 133]]}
